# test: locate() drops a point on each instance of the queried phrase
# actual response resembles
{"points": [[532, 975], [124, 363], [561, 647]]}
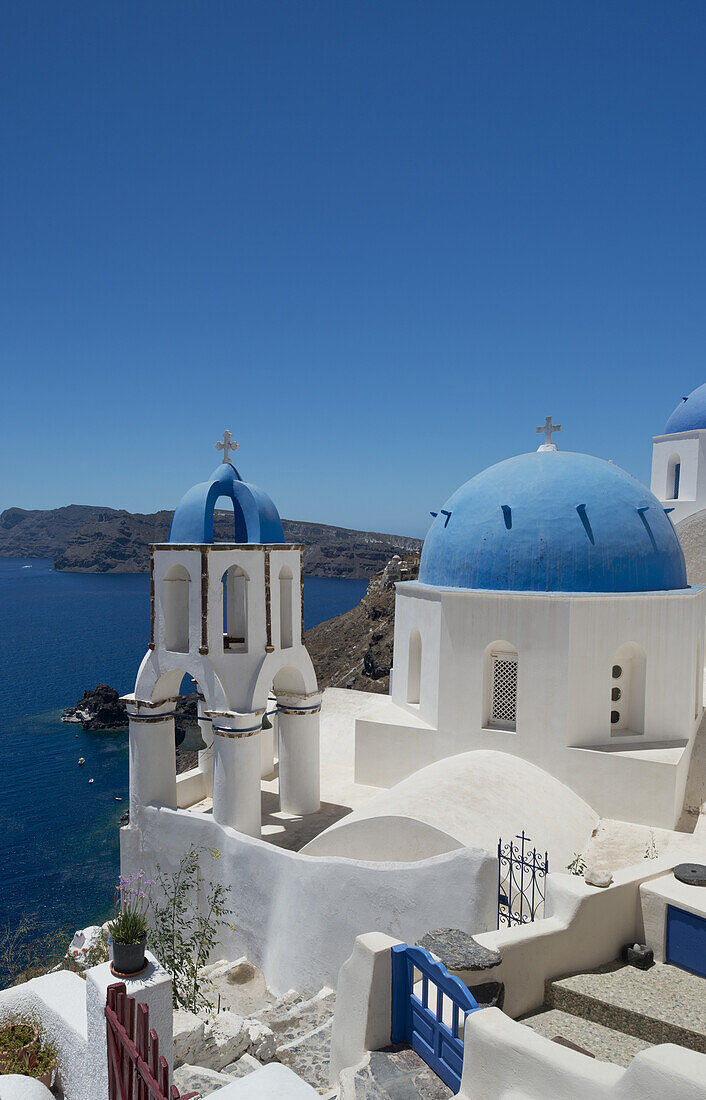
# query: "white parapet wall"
{"points": [[363, 1016], [584, 927], [297, 916], [504, 1059], [273, 1082], [71, 1013]]}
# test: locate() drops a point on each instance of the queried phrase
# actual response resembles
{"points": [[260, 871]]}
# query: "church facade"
{"points": [[552, 620]]}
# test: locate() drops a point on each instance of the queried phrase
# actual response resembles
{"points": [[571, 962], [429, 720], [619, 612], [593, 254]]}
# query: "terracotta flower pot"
{"points": [[129, 958]]}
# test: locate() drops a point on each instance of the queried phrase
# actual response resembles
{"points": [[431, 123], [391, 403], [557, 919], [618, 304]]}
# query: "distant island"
{"points": [[85, 539]]}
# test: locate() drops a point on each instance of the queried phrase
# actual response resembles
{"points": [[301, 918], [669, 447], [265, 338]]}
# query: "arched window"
{"points": [[176, 609], [235, 609], [627, 690], [500, 687], [673, 478], [699, 687], [414, 668], [286, 626]]}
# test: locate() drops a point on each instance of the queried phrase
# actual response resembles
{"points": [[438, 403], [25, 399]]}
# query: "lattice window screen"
{"points": [[504, 701]]}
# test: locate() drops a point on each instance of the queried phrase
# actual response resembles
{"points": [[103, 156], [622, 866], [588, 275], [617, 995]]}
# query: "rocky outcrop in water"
{"points": [[98, 709]]}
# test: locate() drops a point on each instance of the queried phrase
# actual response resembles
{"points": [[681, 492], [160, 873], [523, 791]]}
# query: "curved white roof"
{"points": [[465, 801]]}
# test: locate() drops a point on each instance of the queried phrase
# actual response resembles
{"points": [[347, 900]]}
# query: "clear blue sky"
{"points": [[377, 240]]}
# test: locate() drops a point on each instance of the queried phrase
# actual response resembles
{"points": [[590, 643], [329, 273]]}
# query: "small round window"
{"points": [[615, 694], [617, 672], [614, 717]]}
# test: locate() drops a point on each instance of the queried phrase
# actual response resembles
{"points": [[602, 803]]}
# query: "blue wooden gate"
{"points": [[431, 1018]]}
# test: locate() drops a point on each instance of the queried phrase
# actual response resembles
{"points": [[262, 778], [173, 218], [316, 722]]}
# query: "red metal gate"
{"points": [[136, 1070]]}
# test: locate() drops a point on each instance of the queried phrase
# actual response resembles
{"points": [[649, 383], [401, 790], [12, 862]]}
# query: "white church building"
{"points": [[551, 620], [679, 458], [548, 668]]}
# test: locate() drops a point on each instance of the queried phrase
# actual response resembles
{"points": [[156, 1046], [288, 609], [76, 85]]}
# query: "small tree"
{"points": [[185, 932], [577, 865]]}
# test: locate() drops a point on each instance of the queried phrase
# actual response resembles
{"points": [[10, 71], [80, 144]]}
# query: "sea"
{"points": [[61, 633]]}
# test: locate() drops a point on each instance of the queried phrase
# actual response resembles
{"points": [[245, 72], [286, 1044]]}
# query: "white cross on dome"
{"points": [[548, 428], [227, 445]]}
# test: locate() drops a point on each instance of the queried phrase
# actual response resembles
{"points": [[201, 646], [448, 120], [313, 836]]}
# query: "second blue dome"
{"points": [[690, 415], [553, 521]]}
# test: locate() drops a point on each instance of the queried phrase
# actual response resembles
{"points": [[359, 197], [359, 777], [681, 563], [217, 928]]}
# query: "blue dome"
{"points": [[690, 414], [256, 518], [553, 521]]}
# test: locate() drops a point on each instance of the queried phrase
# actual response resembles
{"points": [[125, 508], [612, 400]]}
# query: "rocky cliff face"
{"points": [[84, 539], [692, 535], [355, 649]]}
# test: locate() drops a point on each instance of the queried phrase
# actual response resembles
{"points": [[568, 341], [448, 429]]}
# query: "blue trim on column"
{"points": [[303, 710], [229, 729]]}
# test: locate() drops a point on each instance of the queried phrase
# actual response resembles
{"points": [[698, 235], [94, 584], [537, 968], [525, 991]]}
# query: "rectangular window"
{"points": [[503, 702]]}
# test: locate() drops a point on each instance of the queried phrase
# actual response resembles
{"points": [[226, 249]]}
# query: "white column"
{"points": [[152, 756], [236, 771], [299, 769], [206, 755], [153, 988]]}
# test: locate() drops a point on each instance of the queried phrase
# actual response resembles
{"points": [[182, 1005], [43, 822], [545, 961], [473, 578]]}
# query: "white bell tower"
{"points": [[228, 614], [679, 458]]}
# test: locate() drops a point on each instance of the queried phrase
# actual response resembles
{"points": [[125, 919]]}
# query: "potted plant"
{"points": [[128, 931], [25, 1051]]}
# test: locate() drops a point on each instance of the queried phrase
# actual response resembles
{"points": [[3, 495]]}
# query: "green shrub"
{"points": [[185, 933], [24, 1049]]}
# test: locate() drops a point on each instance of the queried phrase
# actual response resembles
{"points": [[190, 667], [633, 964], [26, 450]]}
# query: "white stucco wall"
{"points": [[566, 648], [499, 1053], [59, 1001], [585, 926], [297, 916], [471, 800], [691, 449], [363, 1016], [71, 1012], [234, 679], [273, 1082]]}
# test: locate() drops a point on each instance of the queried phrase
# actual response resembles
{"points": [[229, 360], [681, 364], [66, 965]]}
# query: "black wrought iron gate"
{"points": [[522, 873]]}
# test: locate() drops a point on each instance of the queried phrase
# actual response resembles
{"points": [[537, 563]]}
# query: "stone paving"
{"points": [[309, 1056], [397, 1073], [662, 1005], [604, 1043]]}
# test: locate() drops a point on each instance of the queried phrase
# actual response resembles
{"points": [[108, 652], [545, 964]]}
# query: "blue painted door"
{"points": [[418, 1017], [686, 940]]}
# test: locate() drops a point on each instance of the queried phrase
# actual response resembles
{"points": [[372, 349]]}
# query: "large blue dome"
{"points": [[690, 414], [553, 521]]}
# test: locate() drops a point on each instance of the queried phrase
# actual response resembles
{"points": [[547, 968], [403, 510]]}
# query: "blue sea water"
{"points": [[61, 633]]}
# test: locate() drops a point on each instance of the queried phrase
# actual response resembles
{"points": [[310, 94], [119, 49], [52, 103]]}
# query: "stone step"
{"points": [[394, 1074], [280, 1007], [309, 1055], [298, 1020], [605, 1043], [661, 1005], [242, 1066], [198, 1079]]}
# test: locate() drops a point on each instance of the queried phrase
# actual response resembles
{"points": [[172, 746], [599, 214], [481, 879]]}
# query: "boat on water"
{"points": [[81, 760]]}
